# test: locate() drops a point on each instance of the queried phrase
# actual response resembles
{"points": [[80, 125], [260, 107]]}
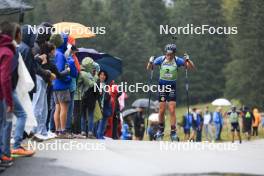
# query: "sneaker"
{"points": [[35, 138], [6, 164], [51, 135], [22, 152], [42, 137], [91, 136], [159, 135], [79, 136], [6, 158], [83, 133], [174, 136], [65, 136]]}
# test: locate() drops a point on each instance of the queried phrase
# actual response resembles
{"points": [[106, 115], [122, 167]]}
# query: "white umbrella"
{"points": [[221, 102]]}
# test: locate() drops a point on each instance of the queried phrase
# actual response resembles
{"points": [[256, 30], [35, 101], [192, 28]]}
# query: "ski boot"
{"points": [[174, 136], [159, 136]]}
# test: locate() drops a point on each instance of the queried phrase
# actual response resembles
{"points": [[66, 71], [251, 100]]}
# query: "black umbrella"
{"points": [[112, 65], [143, 103], [8, 7]]}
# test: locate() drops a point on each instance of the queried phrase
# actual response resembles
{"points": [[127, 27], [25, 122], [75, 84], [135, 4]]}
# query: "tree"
{"points": [[245, 73]]}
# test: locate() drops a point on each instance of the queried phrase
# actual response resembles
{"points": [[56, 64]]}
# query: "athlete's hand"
{"points": [[151, 59], [188, 63], [186, 56], [150, 63]]}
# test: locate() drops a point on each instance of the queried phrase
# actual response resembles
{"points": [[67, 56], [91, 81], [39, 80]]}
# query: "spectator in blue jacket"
{"points": [[61, 87], [187, 125], [208, 119], [218, 123]]}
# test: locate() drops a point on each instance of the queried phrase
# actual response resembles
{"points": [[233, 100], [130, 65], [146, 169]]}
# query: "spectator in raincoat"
{"points": [[114, 122], [7, 51], [86, 86]]}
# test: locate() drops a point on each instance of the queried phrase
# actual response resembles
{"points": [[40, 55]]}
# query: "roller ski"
{"points": [[174, 137], [159, 136]]}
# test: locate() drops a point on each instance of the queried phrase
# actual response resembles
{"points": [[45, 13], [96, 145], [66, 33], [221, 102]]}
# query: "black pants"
{"points": [[115, 127], [77, 114], [255, 131], [199, 135], [219, 136]]}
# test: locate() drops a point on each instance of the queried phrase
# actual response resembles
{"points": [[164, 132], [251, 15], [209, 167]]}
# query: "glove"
{"points": [[151, 59], [186, 56]]}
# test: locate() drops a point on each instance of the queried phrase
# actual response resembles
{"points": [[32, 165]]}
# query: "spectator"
{"points": [[194, 125], [248, 118], [153, 124], [18, 111], [7, 51], [74, 73], [61, 93], [85, 92], [187, 125], [126, 135], [218, 119], [105, 104], [199, 126], [208, 119], [257, 121], [139, 124]]}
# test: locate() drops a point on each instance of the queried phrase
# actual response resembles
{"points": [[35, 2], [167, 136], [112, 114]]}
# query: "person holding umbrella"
{"points": [[139, 124], [169, 64]]}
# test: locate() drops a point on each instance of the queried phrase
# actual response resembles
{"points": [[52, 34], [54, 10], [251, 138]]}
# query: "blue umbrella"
{"points": [[112, 65]]}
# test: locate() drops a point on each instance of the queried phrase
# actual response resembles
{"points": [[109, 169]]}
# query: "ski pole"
{"points": [[187, 87], [148, 112]]}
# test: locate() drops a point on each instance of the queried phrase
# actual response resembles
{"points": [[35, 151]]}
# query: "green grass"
{"points": [[226, 134]]}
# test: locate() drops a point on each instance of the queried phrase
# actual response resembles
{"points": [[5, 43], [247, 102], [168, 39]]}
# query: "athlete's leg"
{"points": [[162, 109], [172, 108]]}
